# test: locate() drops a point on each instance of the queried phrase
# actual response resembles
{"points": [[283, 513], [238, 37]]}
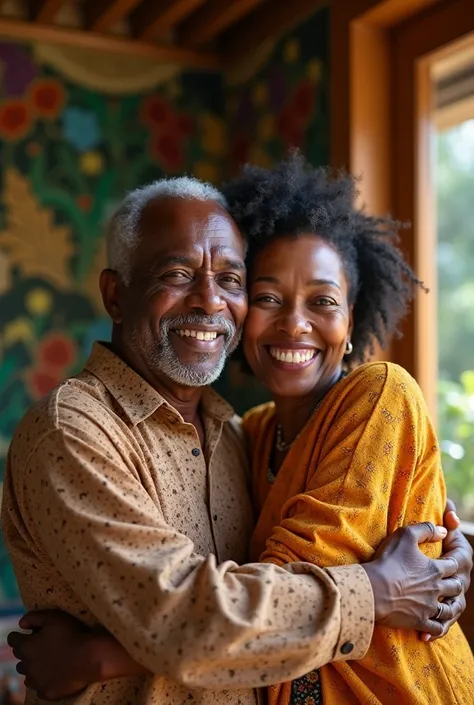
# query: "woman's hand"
{"points": [[62, 657]]}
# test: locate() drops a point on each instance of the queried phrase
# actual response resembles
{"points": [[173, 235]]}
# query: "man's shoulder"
{"points": [[70, 402], [233, 432]]}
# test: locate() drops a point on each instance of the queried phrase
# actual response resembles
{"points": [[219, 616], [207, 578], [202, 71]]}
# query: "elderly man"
{"points": [[126, 497]]}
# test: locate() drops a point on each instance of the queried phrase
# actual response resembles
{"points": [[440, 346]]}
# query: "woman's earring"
{"points": [[349, 347]]}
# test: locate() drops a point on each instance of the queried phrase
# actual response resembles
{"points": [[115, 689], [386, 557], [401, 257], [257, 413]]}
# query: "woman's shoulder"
{"points": [[383, 372], [386, 380], [258, 416]]}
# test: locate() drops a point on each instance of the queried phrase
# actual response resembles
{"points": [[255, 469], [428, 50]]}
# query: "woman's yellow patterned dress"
{"points": [[367, 463]]}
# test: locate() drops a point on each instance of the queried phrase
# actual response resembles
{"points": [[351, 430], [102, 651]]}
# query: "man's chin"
{"points": [[199, 374]]}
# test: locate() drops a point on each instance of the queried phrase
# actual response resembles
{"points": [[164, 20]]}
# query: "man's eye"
{"points": [[230, 279], [176, 275]]}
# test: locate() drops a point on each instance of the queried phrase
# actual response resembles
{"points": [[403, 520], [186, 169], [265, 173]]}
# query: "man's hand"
{"points": [[410, 588], [455, 547], [52, 657], [62, 656]]}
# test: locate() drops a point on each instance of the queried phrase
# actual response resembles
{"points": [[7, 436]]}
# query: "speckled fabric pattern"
{"points": [[114, 513]]}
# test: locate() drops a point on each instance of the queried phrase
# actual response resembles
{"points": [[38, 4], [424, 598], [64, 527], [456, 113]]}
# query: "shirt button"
{"points": [[347, 648], [196, 452]]}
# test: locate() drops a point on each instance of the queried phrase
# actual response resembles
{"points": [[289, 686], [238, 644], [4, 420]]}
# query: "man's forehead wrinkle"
{"points": [[214, 222]]}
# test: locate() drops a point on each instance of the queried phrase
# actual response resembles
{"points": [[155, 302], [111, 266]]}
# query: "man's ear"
{"points": [[109, 285]]}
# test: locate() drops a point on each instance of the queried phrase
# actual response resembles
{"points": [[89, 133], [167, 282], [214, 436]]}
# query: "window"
{"points": [[454, 179]]}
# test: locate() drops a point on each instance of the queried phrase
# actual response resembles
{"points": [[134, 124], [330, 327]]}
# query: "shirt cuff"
{"points": [[357, 612]]}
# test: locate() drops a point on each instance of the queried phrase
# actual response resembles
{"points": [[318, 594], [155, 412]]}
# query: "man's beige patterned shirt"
{"points": [[113, 512]]}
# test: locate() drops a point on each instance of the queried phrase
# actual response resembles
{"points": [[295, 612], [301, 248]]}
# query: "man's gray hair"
{"points": [[123, 232]]}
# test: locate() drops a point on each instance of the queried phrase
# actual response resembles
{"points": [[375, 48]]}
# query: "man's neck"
{"points": [[186, 400]]}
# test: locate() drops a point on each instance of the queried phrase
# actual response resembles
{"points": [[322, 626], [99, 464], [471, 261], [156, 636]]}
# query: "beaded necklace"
{"points": [[280, 443]]}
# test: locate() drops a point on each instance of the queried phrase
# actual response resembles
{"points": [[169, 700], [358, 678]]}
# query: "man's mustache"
{"points": [[219, 323]]}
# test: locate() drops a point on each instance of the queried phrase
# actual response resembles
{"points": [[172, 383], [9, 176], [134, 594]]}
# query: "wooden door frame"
{"points": [[381, 126]]}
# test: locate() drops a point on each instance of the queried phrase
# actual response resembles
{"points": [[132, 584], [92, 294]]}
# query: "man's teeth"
{"points": [[293, 356], [199, 334]]}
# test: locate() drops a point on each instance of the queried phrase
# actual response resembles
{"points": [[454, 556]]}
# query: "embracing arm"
{"points": [[61, 656], [377, 469], [176, 613]]}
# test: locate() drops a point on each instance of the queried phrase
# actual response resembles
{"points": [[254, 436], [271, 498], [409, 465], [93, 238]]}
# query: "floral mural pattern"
{"points": [[286, 104], [67, 156]]}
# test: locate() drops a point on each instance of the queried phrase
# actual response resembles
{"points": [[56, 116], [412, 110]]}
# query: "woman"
{"points": [[344, 454]]}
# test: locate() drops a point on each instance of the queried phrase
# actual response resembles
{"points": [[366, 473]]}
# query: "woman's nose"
{"points": [[294, 323]]}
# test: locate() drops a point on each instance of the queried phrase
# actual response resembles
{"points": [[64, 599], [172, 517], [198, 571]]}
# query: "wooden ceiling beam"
{"points": [[101, 15], [45, 10], [270, 21], [215, 17], [52, 34], [152, 19]]}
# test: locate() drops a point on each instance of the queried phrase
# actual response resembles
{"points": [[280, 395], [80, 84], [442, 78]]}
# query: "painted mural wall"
{"points": [[285, 104], [69, 152], [67, 156]]}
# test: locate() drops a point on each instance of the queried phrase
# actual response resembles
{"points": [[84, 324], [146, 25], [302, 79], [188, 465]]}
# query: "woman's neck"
{"points": [[293, 413]]}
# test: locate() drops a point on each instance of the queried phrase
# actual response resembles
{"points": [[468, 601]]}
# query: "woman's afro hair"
{"points": [[293, 198]]}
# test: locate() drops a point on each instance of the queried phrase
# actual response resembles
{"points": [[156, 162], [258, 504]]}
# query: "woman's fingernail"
{"points": [[442, 530]]}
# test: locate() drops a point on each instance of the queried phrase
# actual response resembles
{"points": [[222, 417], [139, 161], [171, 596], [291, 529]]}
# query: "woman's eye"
{"points": [[266, 299], [325, 301]]}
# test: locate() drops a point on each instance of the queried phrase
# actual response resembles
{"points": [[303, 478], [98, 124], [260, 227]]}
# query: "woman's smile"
{"points": [[292, 357], [299, 319]]}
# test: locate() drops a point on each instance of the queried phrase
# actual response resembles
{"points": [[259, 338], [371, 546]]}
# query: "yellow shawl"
{"points": [[366, 463]]}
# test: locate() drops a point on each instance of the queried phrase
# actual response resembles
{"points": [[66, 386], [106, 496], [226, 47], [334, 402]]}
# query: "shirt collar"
{"points": [[138, 399]]}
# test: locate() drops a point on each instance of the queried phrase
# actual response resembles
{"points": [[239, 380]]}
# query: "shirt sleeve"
{"points": [[375, 448], [177, 613]]}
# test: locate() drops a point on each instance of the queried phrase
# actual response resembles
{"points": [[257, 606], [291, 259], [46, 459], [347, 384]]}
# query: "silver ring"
{"points": [[438, 613]]}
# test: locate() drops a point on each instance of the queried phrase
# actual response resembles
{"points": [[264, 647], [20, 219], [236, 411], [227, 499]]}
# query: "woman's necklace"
{"points": [[281, 446]]}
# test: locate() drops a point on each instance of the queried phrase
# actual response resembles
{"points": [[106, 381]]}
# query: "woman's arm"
{"points": [[376, 468]]}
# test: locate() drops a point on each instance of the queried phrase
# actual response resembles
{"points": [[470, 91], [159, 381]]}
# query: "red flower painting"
{"points": [[15, 119], [47, 98], [297, 114], [168, 149], [41, 382], [155, 112], [56, 350], [169, 131]]}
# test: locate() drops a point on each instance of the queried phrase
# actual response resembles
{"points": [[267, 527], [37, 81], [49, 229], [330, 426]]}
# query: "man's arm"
{"points": [[176, 613], [61, 656]]}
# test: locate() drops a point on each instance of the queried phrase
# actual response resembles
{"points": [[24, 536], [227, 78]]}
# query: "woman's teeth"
{"points": [[293, 356], [199, 334]]}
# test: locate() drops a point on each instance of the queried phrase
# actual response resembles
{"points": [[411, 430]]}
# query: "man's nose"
{"points": [[206, 295]]}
